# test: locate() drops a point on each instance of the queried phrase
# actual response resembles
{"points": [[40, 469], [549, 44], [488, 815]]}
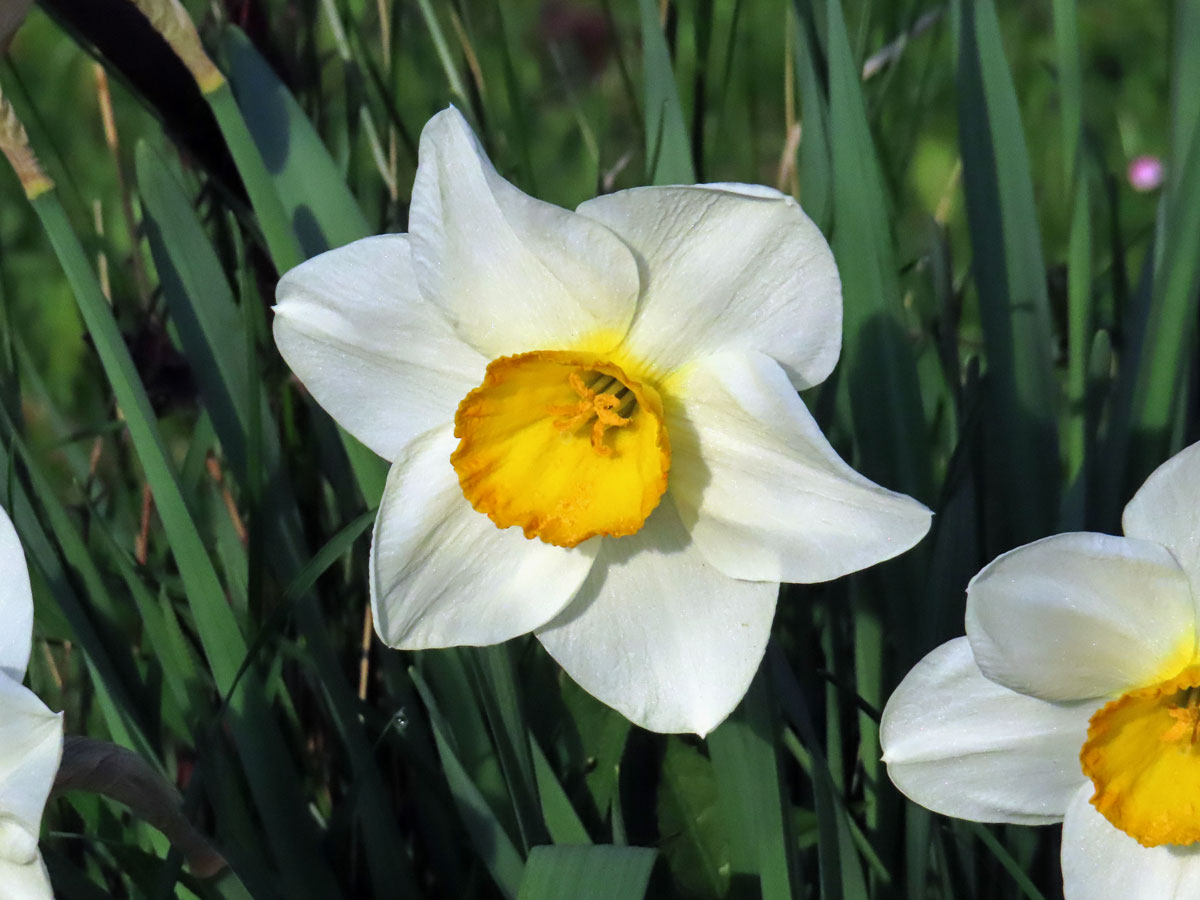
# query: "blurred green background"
{"points": [[1019, 353]]}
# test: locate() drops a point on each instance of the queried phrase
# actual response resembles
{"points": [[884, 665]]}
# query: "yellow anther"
{"points": [[602, 406], [1187, 719], [606, 417], [1187, 723]]}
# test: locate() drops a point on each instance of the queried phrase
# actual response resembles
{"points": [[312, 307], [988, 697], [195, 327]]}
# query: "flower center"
{"points": [[1143, 756], [563, 444], [595, 400]]}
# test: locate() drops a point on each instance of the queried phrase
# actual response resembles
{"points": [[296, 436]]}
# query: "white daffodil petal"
{"points": [[443, 575], [28, 881], [513, 273], [964, 746], [1080, 615], [371, 350], [1166, 510], [761, 490], [16, 603], [1099, 862], [30, 749], [659, 635], [728, 267]]}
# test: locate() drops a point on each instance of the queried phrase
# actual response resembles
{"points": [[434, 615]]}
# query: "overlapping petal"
{"points": [[659, 635], [964, 746], [762, 492], [1166, 509], [728, 267], [371, 350], [16, 604], [30, 749], [443, 575], [1099, 862], [512, 273], [1081, 615]]}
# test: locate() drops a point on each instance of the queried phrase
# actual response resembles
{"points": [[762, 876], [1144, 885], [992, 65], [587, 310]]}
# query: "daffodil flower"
{"points": [[30, 735], [1075, 698], [593, 424]]}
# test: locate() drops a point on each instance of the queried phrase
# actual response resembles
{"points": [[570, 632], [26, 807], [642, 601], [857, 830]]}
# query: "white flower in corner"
{"points": [[30, 735], [593, 424], [1075, 698]]}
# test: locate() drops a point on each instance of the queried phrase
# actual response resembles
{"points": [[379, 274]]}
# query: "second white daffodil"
{"points": [[593, 423], [31, 736], [1075, 698]]}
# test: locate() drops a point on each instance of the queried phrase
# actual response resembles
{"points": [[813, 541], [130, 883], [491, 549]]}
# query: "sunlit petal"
{"points": [[1081, 615], [761, 490], [1099, 862], [512, 273], [659, 635], [443, 575], [728, 267], [30, 748], [16, 603], [1166, 510], [371, 350], [964, 746], [24, 881]]}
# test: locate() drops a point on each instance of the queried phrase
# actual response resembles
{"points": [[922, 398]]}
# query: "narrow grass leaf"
{"points": [[200, 301], [1185, 85], [587, 873], [496, 686], [668, 147], [449, 676], [562, 822], [299, 187], [1160, 363], [442, 47], [1023, 465], [322, 211], [335, 548], [841, 873], [173, 652], [1014, 868], [273, 220], [695, 838], [1080, 316], [816, 173], [491, 841], [881, 377], [604, 732], [752, 801]]}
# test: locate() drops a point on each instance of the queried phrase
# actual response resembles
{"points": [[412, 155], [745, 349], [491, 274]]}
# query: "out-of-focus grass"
{"points": [[219, 631]]}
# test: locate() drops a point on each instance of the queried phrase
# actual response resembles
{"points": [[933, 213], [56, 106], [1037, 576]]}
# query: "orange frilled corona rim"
{"points": [[1143, 756], [564, 444]]}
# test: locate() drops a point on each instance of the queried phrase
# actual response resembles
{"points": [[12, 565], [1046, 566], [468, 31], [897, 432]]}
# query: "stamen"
{"points": [[1186, 718], [611, 410], [605, 418], [602, 384], [628, 402]]}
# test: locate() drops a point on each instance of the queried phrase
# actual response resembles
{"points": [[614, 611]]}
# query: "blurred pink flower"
{"points": [[1146, 173]]}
